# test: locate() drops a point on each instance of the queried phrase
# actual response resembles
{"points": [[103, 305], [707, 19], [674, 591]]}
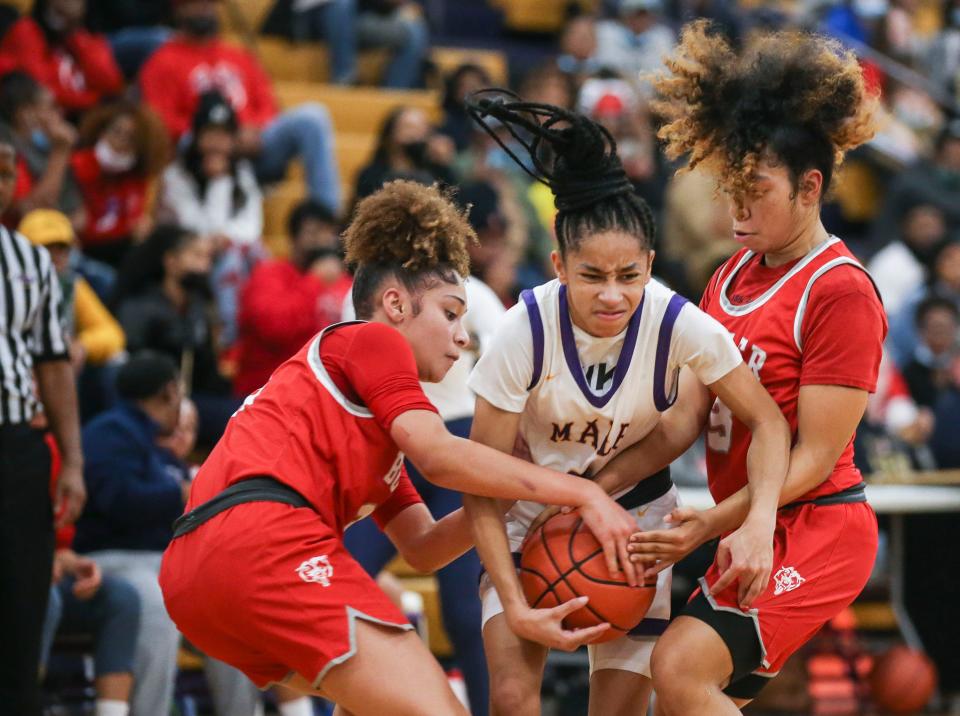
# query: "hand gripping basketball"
{"points": [[561, 560]]}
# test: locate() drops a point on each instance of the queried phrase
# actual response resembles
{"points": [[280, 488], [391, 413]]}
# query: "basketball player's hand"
{"points": [[746, 555], [612, 526], [656, 550], [545, 626]]}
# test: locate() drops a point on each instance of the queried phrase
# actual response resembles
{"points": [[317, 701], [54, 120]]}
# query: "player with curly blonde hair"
{"points": [[257, 574], [772, 124]]}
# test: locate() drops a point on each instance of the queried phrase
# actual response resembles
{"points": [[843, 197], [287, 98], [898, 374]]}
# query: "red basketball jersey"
{"points": [[307, 428], [817, 320]]}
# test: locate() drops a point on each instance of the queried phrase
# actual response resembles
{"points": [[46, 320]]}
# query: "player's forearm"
{"points": [[493, 547], [806, 470], [476, 469], [441, 543], [767, 459], [58, 394]]}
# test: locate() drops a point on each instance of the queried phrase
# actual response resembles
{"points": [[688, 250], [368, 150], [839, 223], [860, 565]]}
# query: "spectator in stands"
{"points": [[164, 304], [84, 601], [96, 340], [135, 29], [944, 282], [96, 337], [346, 25], [494, 259], [929, 371], [697, 229], [287, 301], [903, 265], [636, 42], [935, 182], [52, 46], [943, 58], [137, 489], [578, 49], [196, 60], [120, 150], [457, 124], [43, 140], [213, 192], [408, 147]]}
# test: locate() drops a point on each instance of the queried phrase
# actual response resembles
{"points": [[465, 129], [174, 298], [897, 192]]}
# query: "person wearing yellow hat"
{"points": [[97, 337]]}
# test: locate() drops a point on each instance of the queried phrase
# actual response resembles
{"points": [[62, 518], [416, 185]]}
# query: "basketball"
{"points": [[562, 560], [903, 680]]}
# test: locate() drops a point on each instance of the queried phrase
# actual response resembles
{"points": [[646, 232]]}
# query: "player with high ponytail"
{"points": [[581, 368], [257, 575], [772, 124]]}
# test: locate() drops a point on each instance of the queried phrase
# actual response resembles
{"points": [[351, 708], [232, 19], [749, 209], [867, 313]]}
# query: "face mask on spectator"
{"points": [[416, 151], [111, 160], [196, 281], [39, 140], [200, 26]]}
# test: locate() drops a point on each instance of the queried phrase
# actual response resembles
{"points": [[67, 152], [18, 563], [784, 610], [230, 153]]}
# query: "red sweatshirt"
{"points": [[80, 72], [280, 310], [114, 202], [180, 71]]}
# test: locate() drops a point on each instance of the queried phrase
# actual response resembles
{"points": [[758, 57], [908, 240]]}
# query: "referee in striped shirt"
{"points": [[33, 361]]}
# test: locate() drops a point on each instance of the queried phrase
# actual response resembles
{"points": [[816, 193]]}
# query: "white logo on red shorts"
{"points": [[786, 580], [316, 569]]}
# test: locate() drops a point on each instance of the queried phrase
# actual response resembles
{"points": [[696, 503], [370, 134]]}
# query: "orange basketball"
{"points": [[562, 560], [903, 680]]}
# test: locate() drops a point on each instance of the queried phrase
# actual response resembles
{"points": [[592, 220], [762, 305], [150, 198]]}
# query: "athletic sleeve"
{"points": [[502, 375], [703, 344], [400, 499], [842, 332], [380, 368]]}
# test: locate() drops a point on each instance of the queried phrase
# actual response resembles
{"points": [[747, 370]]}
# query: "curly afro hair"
{"points": [[792, 98], [413, 232]]}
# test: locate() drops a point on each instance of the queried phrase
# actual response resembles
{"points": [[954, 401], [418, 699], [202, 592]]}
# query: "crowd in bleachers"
{"points": [[189, 177]]}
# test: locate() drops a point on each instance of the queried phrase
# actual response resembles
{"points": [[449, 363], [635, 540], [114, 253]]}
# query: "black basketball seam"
{"points": [[546, 581]]}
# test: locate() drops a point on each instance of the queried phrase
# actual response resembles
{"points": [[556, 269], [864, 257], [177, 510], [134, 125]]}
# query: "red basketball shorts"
{"points": [[271, 590], [822, 558]]}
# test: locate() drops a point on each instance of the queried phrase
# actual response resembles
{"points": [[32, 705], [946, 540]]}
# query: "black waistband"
{"points": [[657, 485], [857, 493], [252, 489]]}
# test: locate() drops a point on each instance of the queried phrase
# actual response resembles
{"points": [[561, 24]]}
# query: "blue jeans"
{"points": [[132, 46], [344, 30], [459, 601], [111, 617], [306, 132]]}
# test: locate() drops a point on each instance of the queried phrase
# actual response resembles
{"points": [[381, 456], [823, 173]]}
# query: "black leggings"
{"points": [[26, 560]]}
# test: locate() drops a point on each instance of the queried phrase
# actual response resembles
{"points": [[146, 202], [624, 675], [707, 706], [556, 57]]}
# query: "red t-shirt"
{"points": [[180, 71], [321, 424], [814, 321], [114, 202], [80, 73], [281, 308]]}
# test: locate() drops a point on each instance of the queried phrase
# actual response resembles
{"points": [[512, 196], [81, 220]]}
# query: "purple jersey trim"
{"points": [[573, 358], [660, 398], [536, 328]]}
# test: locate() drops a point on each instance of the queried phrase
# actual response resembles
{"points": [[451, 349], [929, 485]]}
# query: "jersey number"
{"points": [[720, 431]]}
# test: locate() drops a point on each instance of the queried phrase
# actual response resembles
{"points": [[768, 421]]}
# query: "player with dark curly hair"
{"points": [[257, 574], [772, 124]]}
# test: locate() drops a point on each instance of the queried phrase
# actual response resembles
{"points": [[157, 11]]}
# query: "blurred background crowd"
{"points": [[189, 164]]}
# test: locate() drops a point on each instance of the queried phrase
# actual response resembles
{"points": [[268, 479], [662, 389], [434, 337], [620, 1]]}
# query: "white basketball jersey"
{"points": [[584, 398]]}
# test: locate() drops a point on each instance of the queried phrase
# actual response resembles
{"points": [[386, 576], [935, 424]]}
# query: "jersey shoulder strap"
{"points": [[536, 331]]}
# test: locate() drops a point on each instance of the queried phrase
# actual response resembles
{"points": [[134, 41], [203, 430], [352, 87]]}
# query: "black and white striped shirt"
{"points": [[31, 330]]}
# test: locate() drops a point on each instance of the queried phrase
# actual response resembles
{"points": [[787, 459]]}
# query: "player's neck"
{"points": [[801, 243]]}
